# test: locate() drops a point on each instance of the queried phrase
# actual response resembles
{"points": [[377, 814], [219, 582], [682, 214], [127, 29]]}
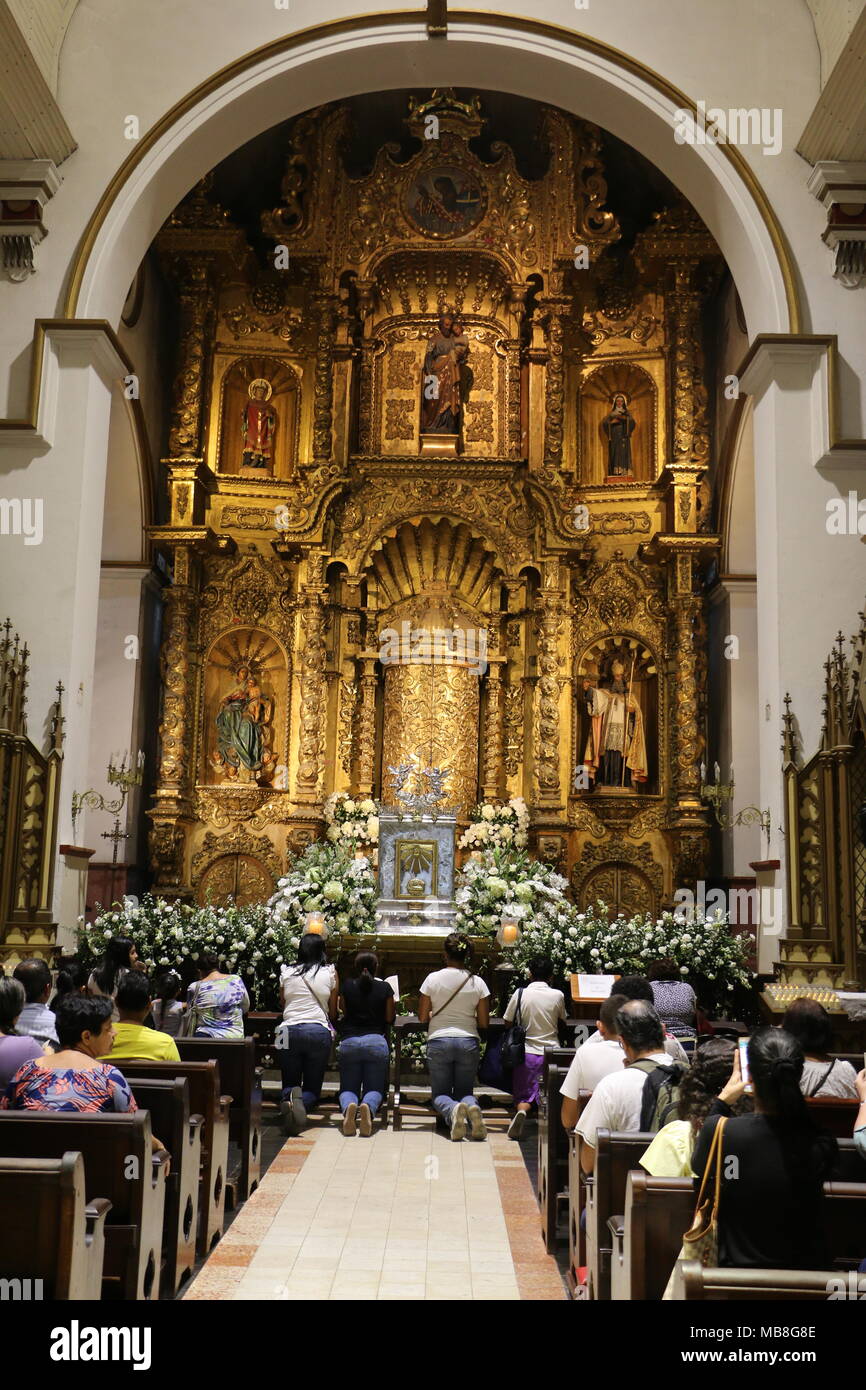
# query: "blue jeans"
{"points": [[363, 1070], [303, 1059], [453, 1064]]}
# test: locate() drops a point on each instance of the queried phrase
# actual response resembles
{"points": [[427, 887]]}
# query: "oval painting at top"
{"points": [[445, 201]]}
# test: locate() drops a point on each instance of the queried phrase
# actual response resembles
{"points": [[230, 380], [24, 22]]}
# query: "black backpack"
{"points": [[661, 1094], [513, 1046]]}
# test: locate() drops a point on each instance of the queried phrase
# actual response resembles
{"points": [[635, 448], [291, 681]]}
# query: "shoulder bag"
{"points": [[701, 1240], [815, 1089], [189, 1022], [513, 1046]]}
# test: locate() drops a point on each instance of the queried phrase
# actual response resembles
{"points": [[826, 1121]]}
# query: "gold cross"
{"points": [[437, 19]]}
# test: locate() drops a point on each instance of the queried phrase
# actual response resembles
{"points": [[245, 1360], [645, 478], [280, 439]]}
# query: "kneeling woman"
{"points": [[368, 1008], [455, 1004], [308, 991]]}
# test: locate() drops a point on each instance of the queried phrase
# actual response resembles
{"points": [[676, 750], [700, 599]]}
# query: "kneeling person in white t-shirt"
{"points": [[454, 1002], [540, 1008], [616, 1100]]}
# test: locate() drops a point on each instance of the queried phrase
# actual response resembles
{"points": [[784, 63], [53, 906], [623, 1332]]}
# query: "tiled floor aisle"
{"points": [[398, 1216]]}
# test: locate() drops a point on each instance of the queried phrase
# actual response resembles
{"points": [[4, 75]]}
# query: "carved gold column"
{"points": [[326, 310], [548, 629], [314, 697], [195, 304], [493, 762], [366, 725], [172, 809]]}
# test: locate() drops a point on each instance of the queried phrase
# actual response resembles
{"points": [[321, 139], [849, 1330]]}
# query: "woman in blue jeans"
{"points": [[455, 1003], [368, 1008], [308, 991]]}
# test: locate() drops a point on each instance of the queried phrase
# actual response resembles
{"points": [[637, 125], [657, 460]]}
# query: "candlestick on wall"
{"points": [[720, 794], [119, 775]]}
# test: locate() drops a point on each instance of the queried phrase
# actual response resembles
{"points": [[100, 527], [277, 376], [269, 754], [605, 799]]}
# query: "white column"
{"points": [[50, 578], [810, 582], [736, 638]]}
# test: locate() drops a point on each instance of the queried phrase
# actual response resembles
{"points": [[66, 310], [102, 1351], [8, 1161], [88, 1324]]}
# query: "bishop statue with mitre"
{"points": [[616, 748]]}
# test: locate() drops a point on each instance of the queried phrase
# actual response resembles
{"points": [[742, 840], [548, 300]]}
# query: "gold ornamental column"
{"points": [[314, 697], [172, 809], [493, 762], [326, 308], [546, 731], [366, 724]]}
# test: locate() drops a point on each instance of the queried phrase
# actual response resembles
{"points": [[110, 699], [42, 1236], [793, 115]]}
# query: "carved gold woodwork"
{"points": [[432, 711]]}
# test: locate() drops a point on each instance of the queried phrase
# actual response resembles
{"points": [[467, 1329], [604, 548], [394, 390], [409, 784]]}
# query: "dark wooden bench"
{"points": [[615, 1156], [168, 1103], [552, 1176], [647, 1239], [576, 1203], [240, 1078], [695, 1283], [205, 1099], [49, 1232], [121, 1166], [834, 1115]]}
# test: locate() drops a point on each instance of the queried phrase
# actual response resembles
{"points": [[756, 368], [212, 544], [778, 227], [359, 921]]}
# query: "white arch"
{"points": [[326, 65]]}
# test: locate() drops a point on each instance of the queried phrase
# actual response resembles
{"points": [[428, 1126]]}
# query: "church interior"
{"points": [[431, 532]]}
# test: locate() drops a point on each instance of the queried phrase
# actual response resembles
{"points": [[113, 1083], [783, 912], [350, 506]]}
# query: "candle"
{"points": [[718, 772], [314, 923], [509, 934], [703, 774]]}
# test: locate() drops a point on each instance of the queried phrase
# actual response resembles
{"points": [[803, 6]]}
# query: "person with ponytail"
{"points": [[119, 957], [774, 1162], [368, 1006], [308, 994], [167, 1008], [455, 1003]]}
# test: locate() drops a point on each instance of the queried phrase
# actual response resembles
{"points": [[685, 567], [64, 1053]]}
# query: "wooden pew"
{"points": [[121, 1166], [552, 1142], [205, 1099], [168, 1103], [647, 1239], [615, 1156], [694, 1283], [49, 1232], [576, 1203], [834, 1115], [240, 1078]]}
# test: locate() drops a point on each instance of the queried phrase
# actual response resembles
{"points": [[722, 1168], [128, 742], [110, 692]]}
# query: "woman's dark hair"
{"points": [[133, 993], [12, 1001], [81, 1013], [167, 986], [312, 953], [809, 1022], [115, 958], [710, 1069], [458, 948], [666, 969], [71, 978], [633, 987], [540, 968], [776, 1065], [366, 965], [208, 962]]}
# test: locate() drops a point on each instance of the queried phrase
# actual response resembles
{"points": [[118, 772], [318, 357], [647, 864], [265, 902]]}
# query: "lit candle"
{"points": [[509, 934], [314, 923]]}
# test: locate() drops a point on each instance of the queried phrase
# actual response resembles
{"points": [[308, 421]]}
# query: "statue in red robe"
{"points": [[258, 426]]}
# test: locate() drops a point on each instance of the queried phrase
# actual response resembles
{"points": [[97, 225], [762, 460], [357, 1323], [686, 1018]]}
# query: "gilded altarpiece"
{"points": [[555, 518]]}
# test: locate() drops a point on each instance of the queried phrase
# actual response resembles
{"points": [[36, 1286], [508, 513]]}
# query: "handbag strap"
{"points": [[714, 1156], [453, 996], [316, 1000], [815, 1089], [519, 1002]]}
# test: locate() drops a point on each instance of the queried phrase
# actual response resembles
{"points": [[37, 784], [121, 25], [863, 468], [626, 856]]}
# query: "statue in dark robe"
{"points": [[618, 426], [441, 396]]}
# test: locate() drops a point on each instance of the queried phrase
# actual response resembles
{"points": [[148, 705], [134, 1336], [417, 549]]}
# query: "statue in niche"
{"points": [[619, 426], [258, 427], [441, 386], [241, 724], [615, 754]]}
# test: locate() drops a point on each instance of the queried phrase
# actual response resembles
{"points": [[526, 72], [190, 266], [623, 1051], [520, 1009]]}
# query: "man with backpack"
{"points": [[617, 1099]]}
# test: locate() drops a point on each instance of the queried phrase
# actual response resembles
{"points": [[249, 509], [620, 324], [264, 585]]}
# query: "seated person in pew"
{"points": [[368, 1007], [593, 1060], [120, 956], [309, 991], [15, 1048], [541, 1009], [639, 987], [860, 1117], [167, 1008], [71, 978], [36, 1020], [809, 1022], [217, 1002], [673, 999], [74, 1078], [132, 1038], [774, 1163], [616, 1100], [670, 1153]]}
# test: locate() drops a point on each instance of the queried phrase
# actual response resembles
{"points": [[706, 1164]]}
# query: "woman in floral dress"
{"points": [[217, 1002]]}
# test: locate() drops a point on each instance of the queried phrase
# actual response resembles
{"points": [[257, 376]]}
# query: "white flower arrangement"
{"points": [[351, 821], [501, 881], [327, 879], [495, 825]]}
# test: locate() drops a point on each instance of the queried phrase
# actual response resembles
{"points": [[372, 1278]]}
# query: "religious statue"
{"points": [[258, 426], [618, 426], [441, 395], [241, 727], [615, 753]]}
